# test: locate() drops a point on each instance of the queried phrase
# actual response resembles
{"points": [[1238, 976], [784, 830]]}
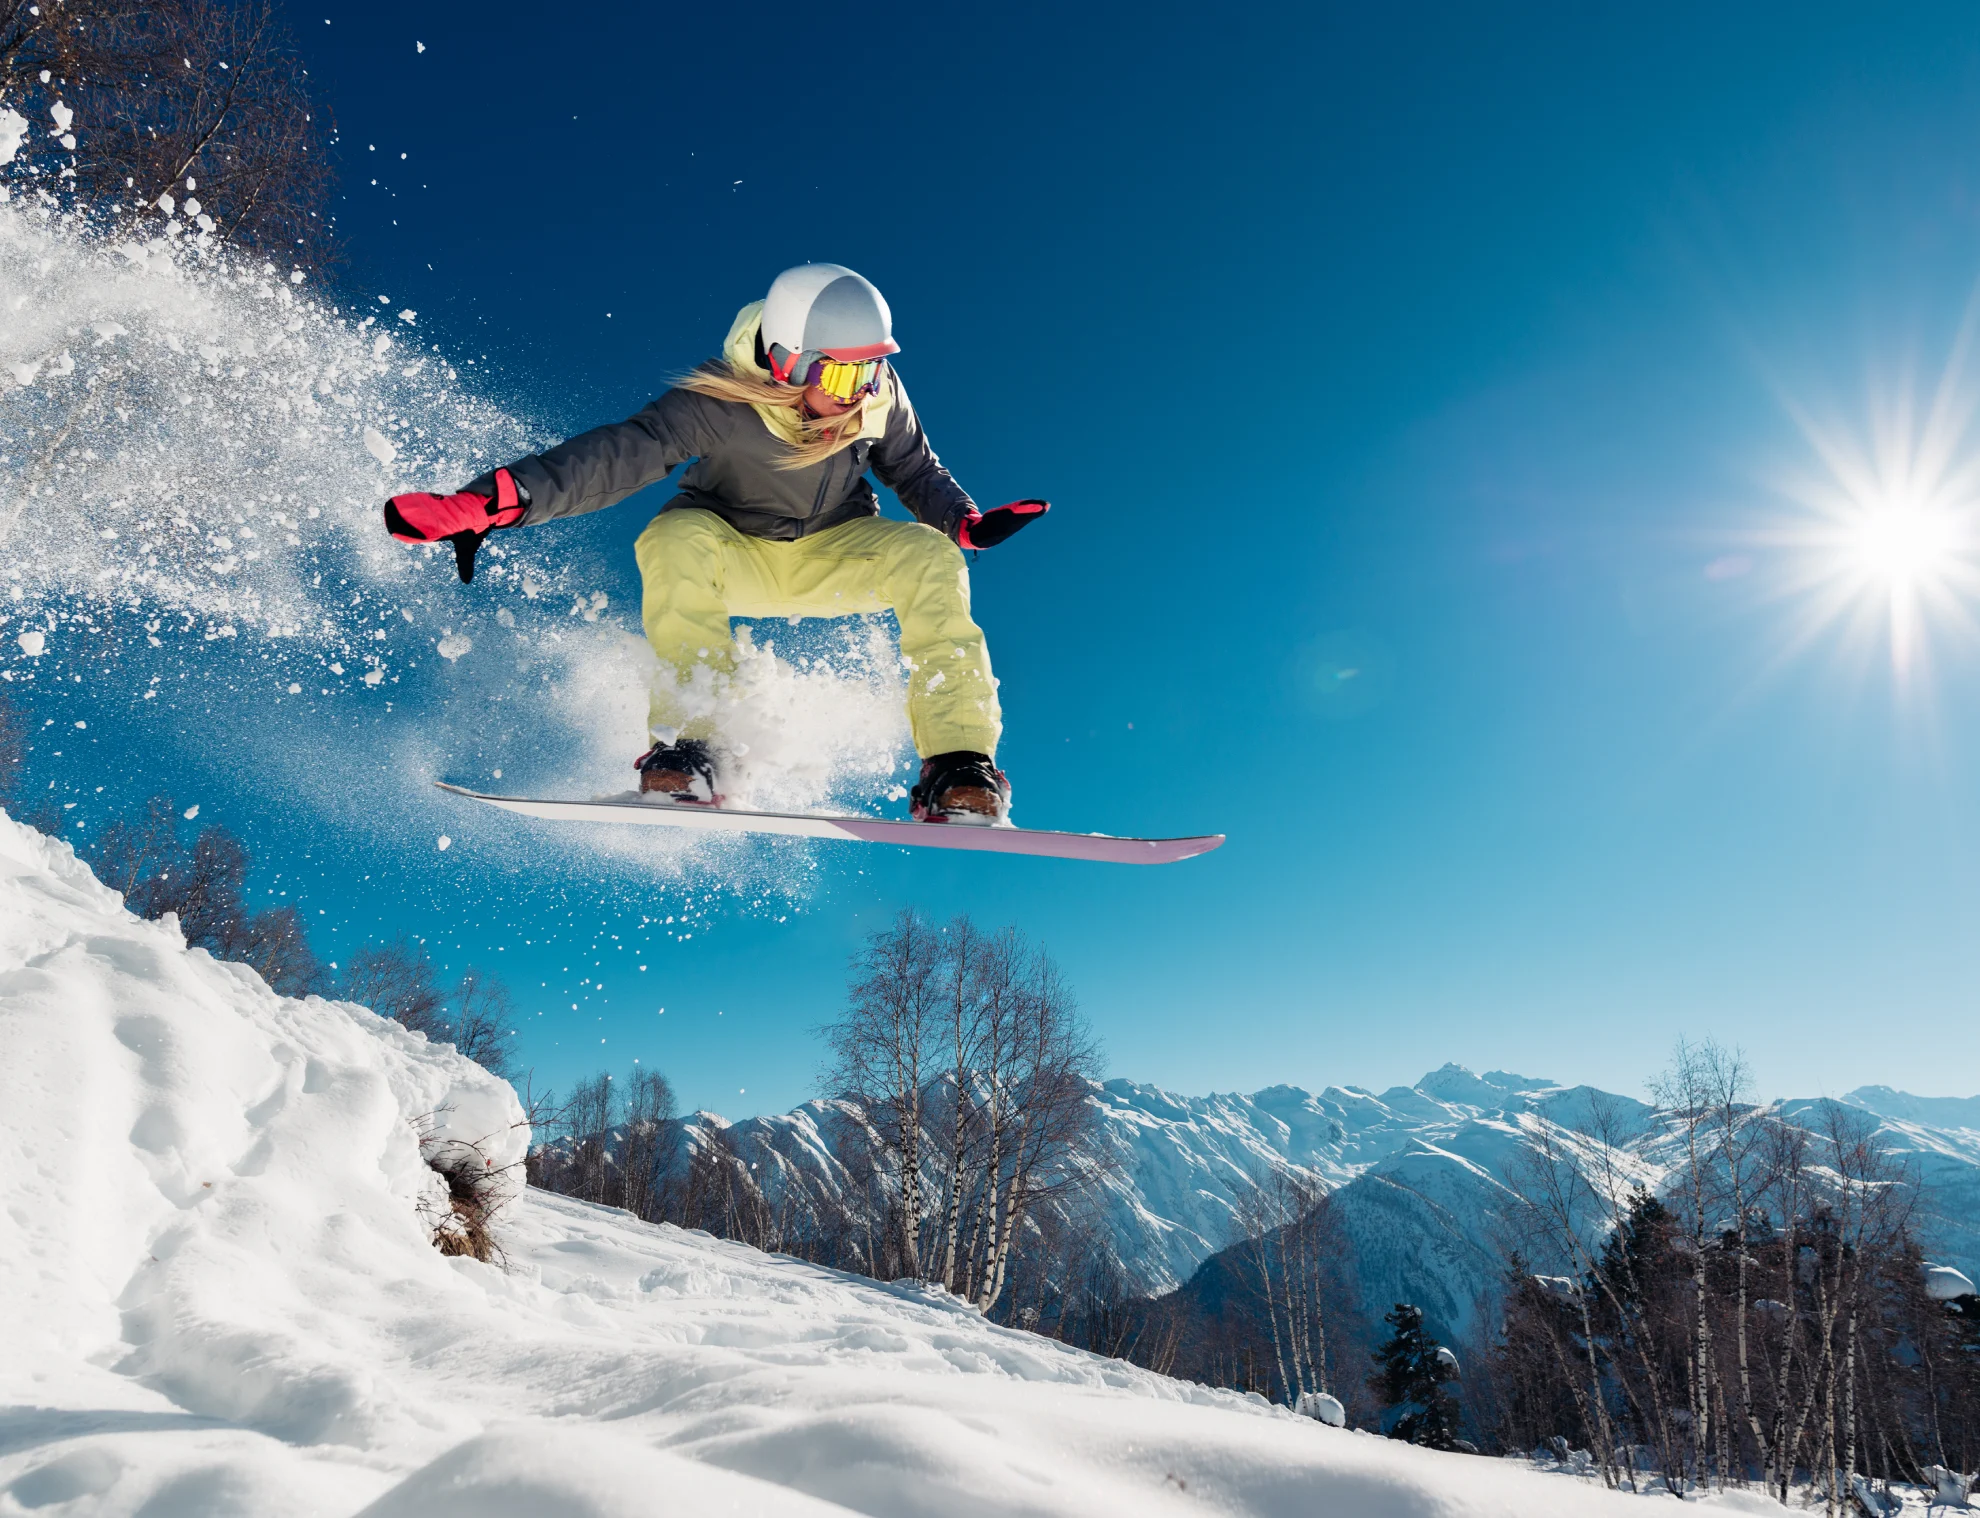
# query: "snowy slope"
{"points": [[222, 1300]]}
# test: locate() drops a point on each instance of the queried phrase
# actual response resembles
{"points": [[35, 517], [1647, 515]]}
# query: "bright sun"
{"points": [[1883, 546], [1907, 543]]}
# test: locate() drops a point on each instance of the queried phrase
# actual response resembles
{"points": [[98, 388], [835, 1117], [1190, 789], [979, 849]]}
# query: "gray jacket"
{"points": [[735, 473]]}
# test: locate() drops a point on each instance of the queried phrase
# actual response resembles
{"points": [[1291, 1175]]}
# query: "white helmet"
{"points": [[825, 311]]}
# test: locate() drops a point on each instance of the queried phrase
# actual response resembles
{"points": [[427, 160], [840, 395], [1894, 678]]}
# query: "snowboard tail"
{"points": [[1099, 847]]}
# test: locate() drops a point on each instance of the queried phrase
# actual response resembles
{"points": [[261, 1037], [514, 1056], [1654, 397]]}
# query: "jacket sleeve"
{"points": [[602, 467], [906, 465]]}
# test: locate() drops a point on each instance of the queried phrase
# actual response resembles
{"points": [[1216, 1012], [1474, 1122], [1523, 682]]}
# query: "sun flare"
{"points": [[1883, 539]]}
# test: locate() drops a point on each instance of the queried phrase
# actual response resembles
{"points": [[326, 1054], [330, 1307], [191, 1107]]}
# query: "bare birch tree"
{"points": [[884, 1050], [1040, 1062], [1285, 1237]]}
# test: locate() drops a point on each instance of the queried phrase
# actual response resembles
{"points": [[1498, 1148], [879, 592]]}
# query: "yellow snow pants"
{"points": [[697, 571]]}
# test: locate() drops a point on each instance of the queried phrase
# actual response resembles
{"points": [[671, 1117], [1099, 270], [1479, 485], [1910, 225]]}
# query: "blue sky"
{"points": [[1471, 353]]}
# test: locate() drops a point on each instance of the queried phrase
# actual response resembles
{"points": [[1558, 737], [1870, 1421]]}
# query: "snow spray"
{"points": [[195, 452]]}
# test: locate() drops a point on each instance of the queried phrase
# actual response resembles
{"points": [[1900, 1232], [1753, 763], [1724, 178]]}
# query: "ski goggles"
{"points": [[842, 381]]}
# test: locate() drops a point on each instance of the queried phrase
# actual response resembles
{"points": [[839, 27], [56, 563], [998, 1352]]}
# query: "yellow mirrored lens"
{"points": [[844, 381]]}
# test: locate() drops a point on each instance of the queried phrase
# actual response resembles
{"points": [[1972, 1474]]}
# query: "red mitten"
{"points": [[986, 529], [464, 518]]}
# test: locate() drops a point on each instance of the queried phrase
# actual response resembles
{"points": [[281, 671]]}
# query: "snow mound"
{"points": [[223, 1299], [1944, 1284], [205, 1179]]}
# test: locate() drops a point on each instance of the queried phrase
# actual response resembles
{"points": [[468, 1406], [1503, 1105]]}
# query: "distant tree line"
{"points": [[961, 1136], [1763, 1319], [194, 114]]}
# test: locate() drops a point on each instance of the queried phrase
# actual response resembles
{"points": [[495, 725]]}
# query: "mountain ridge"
{"points": [[1420, 1172]]}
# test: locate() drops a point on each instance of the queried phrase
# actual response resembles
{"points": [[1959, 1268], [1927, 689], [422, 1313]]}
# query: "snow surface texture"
{"points": [[1420, 1172], [222, 1300], [190, 508]]}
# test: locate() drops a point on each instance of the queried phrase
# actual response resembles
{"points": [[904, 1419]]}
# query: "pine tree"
{"points": [[1412, 1369]]}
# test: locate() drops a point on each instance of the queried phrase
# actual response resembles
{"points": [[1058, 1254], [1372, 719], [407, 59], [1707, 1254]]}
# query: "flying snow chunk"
{"points": [[454, 644], [408, 317], [445, 843], [192, 811], [374, 677], [24, 373], [419, 47], [33, 642], [63, 116], [13, 130], [379, 446]]}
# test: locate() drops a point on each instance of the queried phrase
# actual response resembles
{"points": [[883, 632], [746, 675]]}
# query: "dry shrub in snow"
{"points": [[477, 1189]]}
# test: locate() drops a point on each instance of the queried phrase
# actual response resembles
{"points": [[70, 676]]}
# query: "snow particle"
{"points": [[33, 642], [445, 843], [192, 811], [379, 446]]}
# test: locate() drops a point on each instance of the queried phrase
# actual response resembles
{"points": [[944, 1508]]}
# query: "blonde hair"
{"points": [[818, 437]]}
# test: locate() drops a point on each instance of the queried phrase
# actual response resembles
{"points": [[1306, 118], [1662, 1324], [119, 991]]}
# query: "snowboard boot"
{"points": [[962, 787], [682, 772]]}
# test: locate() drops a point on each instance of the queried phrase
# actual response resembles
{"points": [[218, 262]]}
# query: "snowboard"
{"points": [[629, 808]]}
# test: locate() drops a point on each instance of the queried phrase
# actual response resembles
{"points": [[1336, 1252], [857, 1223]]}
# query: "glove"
{"points": [[986, 529], [464, 518]]}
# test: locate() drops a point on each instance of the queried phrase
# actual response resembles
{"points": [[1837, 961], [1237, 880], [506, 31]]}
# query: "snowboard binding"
{"points": [[962, 787], [681, 773]]}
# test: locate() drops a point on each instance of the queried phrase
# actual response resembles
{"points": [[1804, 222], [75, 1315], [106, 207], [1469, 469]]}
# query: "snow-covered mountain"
{"points": [[222, 1298], [1420, 1172]]}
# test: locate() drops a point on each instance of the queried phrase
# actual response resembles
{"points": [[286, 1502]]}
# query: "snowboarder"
{"points": [[776, 518]]}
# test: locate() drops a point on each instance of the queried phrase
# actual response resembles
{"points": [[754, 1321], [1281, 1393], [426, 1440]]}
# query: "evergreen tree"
{"points": [[1637, 1253], [1411, 1372]]}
